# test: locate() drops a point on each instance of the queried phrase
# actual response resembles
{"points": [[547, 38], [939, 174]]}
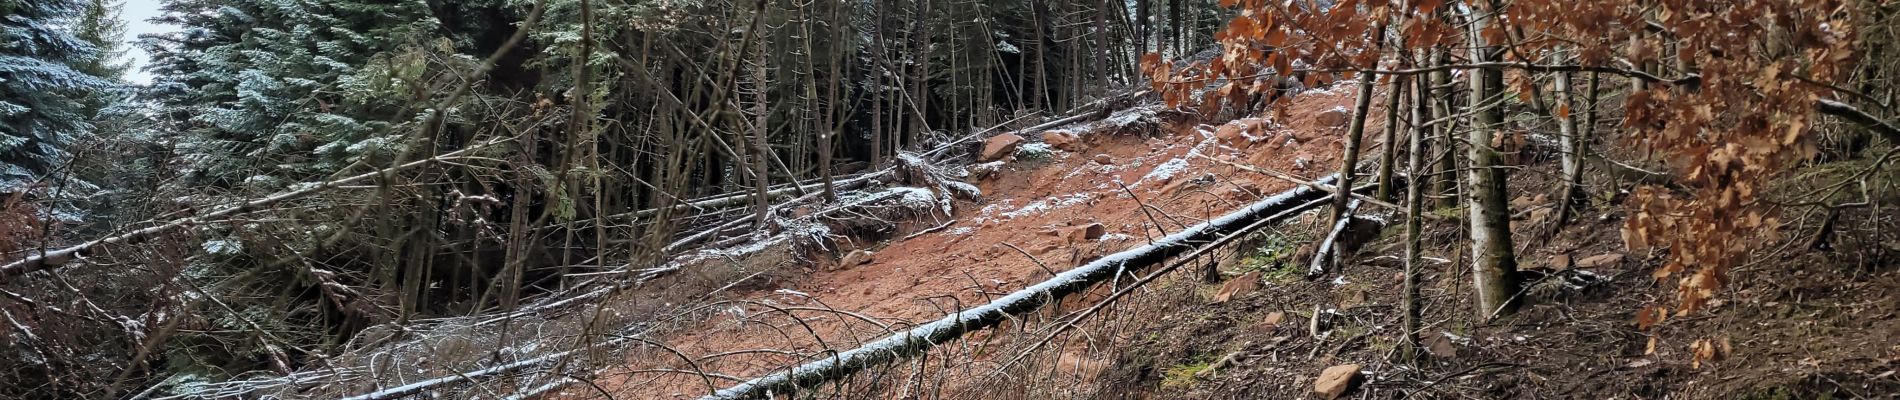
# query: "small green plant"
{"points": [[1449, 213], [1271, 254], [1184, 375]]}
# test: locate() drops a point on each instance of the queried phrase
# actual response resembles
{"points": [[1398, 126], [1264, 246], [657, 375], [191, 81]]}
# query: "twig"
{"points": [[1032, 258]]}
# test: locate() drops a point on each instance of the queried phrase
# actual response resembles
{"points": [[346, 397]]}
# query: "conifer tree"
{"points": [[41, 87]]}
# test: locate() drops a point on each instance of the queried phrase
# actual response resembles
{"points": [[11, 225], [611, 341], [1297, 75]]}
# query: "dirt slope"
{"points": [[1031, 204]]}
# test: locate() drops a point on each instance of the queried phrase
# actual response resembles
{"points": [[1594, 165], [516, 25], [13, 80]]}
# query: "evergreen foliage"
{"points": [[41, 87]]}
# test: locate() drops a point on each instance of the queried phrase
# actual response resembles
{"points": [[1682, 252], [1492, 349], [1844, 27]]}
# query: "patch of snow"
{"points": [[1126, 117], [1116, 237], [1340, 281], [1045, 205], [960, 231], [1335, 87], [755, 245], [965, 189], [1099, 168], [1165, 171], [1035, 151], [992, 208], [223, 247], [914, 197], [1006, 47]]}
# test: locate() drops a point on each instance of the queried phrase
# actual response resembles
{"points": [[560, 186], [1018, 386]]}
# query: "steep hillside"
{"points": [[1045, 208]]}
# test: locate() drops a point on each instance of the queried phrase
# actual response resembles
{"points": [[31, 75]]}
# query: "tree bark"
{"points": [[1447, 161], [1414, 197], [1143, 32], [1105, 59], [877, 84], [761, 181], [1570, 186], [921, 98], [1349, 159], [1494, 266], [1389, 142], [833, 122]]}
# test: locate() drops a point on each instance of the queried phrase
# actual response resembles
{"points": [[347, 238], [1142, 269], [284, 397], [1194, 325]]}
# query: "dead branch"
{"points": [[1324, 257]]}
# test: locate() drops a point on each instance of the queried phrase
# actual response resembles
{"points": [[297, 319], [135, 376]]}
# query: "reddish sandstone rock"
{"points": [[999, 146], [1335, 381], [1062, 140]]}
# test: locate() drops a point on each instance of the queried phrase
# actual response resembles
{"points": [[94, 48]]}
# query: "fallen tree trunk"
{"points": [[469, 376], [741, 199], [1077, 280], [1323, 259]]}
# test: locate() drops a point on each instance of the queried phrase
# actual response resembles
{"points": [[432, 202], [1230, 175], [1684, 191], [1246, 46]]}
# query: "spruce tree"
{"points": [[41, 87]]}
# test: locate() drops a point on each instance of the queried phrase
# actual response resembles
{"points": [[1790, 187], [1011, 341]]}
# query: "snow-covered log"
{"points": [[435, 383], [744, 199], [1079, 279]]}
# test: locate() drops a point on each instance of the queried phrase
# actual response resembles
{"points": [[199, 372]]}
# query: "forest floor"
{"points": [[1029, 204], [1777, 335]]}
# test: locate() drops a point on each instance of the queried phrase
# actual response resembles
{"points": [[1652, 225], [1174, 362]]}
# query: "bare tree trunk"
{"points": [[921, 98], [834, 122], [1174, 27], [1389, 142], [1349, 160], [1105, 52], [1072, 51], [1414, 199], [877, 83], [761, 180], [1447, 161], [1042, 55], [1143, 29], [1494, 266], [1569, 138]]}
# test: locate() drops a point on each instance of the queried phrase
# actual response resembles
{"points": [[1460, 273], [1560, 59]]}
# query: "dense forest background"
{"points": [[300, 172], [508, 145]]}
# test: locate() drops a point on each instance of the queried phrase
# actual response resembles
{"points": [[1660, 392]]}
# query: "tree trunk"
{"points": [[1414, 197], [877, 85], [1349, 160], [1105, 52], [1041, 16], [921, 98], [761, 181], [1389, 141], [834, 122], [1570, 186], [1143, 32], [1447, 161], [1174, 28], [1494, 266]]}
